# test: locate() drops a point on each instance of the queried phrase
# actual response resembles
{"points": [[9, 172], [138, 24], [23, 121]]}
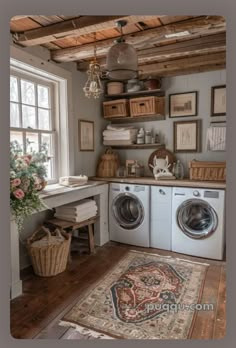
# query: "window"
{"points": [[33, 116]]}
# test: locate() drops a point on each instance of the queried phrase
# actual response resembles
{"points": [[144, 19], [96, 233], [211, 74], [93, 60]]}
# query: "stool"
{"points": [[76, 225]]}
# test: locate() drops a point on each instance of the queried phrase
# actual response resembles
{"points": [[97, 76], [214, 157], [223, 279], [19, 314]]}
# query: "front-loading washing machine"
{"points": [[129, 214], [198, 227]]}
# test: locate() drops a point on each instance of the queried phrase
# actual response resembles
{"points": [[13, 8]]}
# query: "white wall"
{"points": [[201, 82]]}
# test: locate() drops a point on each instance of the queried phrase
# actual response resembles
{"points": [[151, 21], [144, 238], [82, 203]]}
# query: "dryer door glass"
{"points": [[197, 219], [128, 211]]}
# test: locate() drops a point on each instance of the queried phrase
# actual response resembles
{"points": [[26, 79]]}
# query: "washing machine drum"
{"points": [[128, 211], [197, 219]]}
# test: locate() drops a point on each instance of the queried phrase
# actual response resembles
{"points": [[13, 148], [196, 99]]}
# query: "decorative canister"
{"points": [[115, 87], [133, 85], [152, 83]]}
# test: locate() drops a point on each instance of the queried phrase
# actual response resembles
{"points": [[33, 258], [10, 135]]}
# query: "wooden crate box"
{"points": [[147, 106], [116, 108]]}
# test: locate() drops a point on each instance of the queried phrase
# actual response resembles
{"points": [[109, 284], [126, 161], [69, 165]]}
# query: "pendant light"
{"points": [[122, 61], [93, 86]]}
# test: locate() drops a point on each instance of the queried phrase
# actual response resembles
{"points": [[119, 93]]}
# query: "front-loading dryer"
{"points": [[198, 227], [129, 214]]}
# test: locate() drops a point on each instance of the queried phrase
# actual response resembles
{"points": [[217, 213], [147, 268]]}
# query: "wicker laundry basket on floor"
{"points": [[49, 254]]}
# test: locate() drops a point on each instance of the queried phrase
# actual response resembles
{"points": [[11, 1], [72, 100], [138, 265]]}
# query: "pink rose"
{"points": [[19, 194], [16, 182]]}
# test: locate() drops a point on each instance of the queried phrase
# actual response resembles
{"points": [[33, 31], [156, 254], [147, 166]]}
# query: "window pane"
{"points": [[27, 92], [17, 136], [46, 139], [14, 115], [44, 119], [32, 142], [28, 116], [14, 89], [48, 166], [43, 96]]}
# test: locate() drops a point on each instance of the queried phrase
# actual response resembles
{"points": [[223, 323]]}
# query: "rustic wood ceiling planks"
{"points": [[72, 39]]}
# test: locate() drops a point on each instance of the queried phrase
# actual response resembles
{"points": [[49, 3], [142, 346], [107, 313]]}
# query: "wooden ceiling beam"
{"points": [[181, 64], [191, 70], [199, 46], [74, 27], [143, 39]]}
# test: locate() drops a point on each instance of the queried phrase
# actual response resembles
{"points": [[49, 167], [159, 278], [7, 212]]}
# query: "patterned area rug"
{"points": [[145, 296]]}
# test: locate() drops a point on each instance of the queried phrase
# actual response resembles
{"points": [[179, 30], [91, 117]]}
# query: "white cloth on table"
{"points": [[216, 138]]}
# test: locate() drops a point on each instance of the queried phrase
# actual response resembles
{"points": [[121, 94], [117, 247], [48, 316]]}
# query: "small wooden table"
{"points": [[76, 225]]}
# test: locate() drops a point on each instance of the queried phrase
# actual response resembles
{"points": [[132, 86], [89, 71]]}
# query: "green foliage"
{"points": [[27, 172]]}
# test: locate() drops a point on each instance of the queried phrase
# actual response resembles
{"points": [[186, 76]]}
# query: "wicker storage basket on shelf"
{"points": [[49, 254], [208, 171], [108, 164]]}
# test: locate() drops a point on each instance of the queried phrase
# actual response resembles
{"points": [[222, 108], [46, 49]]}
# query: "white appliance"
{"points": [[160, 230], [129, 214], [198, 222]]}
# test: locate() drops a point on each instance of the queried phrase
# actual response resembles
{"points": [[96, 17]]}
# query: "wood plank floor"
{"points": [[37, 312]]}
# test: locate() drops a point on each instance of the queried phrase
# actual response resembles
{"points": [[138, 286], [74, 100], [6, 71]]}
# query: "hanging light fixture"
{"points": [[93, 86], [122, 61]]}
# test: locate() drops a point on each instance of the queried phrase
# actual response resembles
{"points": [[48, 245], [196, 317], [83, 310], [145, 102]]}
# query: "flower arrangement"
{"points": [[27, 173]]}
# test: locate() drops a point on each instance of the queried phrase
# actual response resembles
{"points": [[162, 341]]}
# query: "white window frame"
{"points": [[36, 80], [62, 80]]}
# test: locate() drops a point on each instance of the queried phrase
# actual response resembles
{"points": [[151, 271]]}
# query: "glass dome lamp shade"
{"points": [[122, 60]]}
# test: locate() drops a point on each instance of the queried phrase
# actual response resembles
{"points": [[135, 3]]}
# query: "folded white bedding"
{"points": [[117, 142], [79, 218], [117, 128]]}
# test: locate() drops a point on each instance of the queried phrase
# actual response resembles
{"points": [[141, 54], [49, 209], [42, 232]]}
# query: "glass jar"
{"points": [[179, 170], [148, 137]]}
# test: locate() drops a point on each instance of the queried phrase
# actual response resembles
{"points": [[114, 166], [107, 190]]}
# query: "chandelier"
{"points": [[122, 61], [93, 86]]}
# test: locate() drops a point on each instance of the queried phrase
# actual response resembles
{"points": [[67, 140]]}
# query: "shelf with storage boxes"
{"points": [[135, 108]]}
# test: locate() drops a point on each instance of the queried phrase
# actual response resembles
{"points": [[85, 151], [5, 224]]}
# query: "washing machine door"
{"points": [[197, 218], [128, 211]]}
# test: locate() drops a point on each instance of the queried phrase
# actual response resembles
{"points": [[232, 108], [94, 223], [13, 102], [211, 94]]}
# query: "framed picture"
{"points": [[187, 136], [218, 100], [183, 104], [86, 135]]}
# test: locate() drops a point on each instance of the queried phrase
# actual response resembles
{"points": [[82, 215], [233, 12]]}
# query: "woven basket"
{"points": [[49, 254], [108, 164], [208, 171]]}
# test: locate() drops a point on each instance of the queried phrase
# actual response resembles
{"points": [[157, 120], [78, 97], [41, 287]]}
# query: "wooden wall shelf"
{"points": [[135, 119], [156, 92], [138, 146]]}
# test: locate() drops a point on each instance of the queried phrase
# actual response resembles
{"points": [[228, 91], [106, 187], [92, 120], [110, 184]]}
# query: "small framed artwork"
{"points": [[187, 136], [86, 135], [183, 104], [218, 100]]}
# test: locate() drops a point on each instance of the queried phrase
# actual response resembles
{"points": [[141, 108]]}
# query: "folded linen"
{"points": [[84, 202], [118, 128], [120, 133], [76, 218], [76, 212], [117, 142]]}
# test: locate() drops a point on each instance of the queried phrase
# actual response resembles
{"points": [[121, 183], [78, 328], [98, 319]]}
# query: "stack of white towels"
{"points": [[77, 211], [119, 135], [73, 181]]}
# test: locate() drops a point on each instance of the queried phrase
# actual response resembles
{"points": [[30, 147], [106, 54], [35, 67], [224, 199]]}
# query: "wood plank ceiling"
{"points": [[166, 45]]}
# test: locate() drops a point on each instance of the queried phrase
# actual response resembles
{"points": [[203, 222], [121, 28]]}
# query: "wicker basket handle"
{"points": [[46, 230], [109, 151], [58, 233]]}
